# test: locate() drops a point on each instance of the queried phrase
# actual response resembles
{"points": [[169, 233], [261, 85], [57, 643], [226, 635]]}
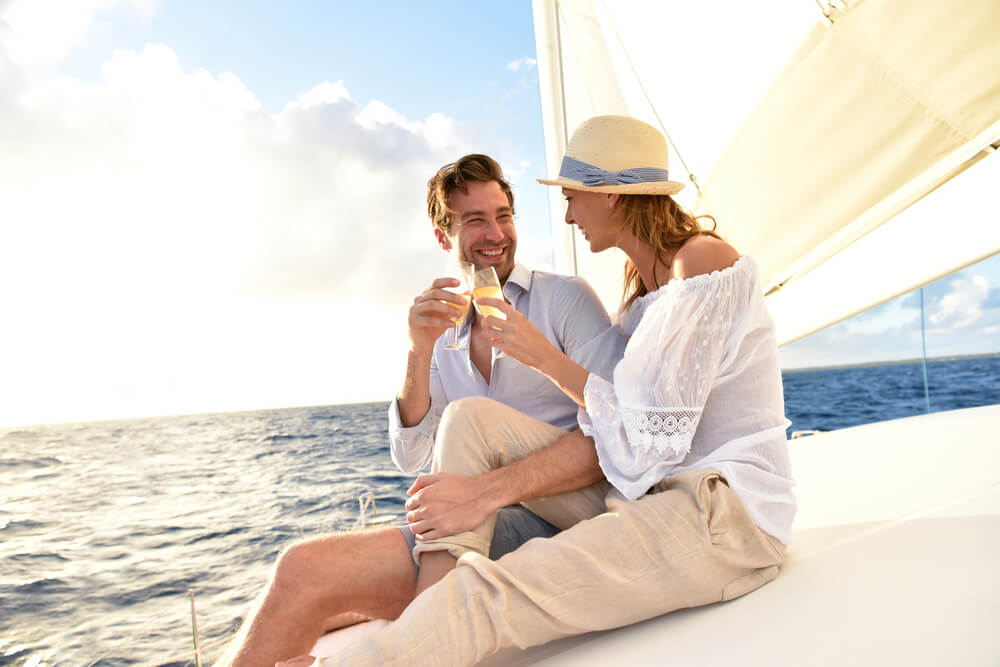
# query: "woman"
{"points": [[690, 432]]}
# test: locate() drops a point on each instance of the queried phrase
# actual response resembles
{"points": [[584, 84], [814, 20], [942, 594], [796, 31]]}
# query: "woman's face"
{"points": [[593, 213]]}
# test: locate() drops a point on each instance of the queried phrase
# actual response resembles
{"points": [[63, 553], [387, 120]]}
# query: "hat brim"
{"points": [[655, 188]]}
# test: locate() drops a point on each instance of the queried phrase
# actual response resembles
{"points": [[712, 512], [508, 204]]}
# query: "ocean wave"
{"points": [[217, 534], [37, 587], [278, 437], [37, 462], [39, 557], [17, 526], [128, 597], [13, 654]]}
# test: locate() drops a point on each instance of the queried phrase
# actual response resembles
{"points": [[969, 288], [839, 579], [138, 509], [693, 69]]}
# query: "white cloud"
{"points": [[40, 32], [960, 319], [176, 248], [962, 306], [882, 319], [517, 173], [377, 113], [517, 65], [324, 93]]}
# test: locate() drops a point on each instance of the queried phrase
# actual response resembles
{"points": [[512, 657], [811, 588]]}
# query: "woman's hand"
{"points": [[517, 337]]}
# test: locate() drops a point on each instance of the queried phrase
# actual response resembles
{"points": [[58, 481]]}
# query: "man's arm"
{"points": [[411, 436], [429, 318], [414, 399], [411, 447]]}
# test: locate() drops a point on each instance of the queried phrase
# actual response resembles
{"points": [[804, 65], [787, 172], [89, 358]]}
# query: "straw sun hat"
{"points": [[616, 154]]}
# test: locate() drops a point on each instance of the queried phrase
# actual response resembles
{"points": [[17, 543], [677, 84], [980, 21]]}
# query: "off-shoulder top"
{"points": [[699, 387]]}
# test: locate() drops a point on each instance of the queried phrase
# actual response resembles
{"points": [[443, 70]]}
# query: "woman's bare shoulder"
{"points": [[703, 254]]}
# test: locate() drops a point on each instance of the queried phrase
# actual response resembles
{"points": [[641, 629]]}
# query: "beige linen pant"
{"points": [[477, 435], [688, 542]]}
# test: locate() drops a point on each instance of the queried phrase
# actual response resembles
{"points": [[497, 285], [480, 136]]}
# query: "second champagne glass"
{"points": [[485, 284], [462, 271]]}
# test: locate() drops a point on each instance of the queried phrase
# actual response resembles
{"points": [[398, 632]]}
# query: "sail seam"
{"points": [[860, 42]]}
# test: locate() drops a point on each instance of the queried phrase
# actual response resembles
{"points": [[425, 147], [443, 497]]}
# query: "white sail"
{"points": [[807, 134], [830, 152]]}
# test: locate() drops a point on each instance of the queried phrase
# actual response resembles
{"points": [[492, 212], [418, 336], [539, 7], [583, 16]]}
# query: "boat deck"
{"points": [[894, 561]]}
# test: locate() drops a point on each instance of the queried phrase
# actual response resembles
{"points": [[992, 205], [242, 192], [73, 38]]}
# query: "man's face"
{"points": [[482, 227]]}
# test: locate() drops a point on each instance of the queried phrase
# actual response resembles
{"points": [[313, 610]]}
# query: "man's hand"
{"points": [[430, 316], [444, 504]]}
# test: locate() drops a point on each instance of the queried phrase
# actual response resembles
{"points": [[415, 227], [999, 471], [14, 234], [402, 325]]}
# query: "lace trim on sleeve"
{"points": [[662, 429], [666, 430]]}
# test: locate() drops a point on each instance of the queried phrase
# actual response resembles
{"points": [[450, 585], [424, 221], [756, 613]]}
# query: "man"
{"points": [[471, 207], [338, 580]]}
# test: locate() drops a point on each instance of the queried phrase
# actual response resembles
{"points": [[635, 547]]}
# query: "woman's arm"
{"points": [[443, 504], [519, 338]]}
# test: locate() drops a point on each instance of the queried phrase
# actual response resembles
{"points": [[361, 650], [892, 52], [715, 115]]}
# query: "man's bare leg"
{"points": [[433, 566], [343, 576]]}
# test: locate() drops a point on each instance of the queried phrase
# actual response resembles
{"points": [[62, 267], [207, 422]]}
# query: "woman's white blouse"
{"points": [[699, 387]]}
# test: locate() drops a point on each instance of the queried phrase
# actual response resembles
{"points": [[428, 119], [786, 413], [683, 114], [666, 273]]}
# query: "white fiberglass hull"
{"points": [[894, 562]]}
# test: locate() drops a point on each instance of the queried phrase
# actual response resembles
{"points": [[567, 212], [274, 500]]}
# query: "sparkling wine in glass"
{"points": [[462, 271], [485, 284]]}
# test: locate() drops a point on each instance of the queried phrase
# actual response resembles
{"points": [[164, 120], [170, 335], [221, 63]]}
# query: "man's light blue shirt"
{"points": [[567, 311]]}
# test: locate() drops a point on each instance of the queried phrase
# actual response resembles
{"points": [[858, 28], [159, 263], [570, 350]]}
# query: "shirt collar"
{"points": [[519, 281]]}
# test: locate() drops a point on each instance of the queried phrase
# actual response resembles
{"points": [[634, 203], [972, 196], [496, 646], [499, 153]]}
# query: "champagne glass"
{"points": [[462, 271], [485, 284]]}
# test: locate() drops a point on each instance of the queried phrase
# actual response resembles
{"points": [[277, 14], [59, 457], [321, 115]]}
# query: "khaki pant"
{"points": [[477, 435], [688, 542]]}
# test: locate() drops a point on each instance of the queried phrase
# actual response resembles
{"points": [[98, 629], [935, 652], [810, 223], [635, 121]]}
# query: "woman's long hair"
{"points": [[661, 222]]}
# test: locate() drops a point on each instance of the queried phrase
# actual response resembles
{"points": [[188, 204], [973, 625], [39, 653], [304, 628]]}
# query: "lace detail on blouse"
{"points": [[661, 429]]}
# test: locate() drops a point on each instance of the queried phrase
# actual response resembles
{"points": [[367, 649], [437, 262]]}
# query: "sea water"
{"points": [[106, 527]]}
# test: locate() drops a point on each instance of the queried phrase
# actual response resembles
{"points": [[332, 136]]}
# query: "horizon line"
{"points": [[895, 362]]}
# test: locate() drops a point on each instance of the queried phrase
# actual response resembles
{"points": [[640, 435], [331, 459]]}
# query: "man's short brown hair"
{"points": [[475, 167]]}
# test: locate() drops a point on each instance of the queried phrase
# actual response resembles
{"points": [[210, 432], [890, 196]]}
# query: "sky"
{"points": [[220, 206]]}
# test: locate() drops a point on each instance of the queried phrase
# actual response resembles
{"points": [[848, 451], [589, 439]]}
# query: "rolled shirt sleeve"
{"points": [[412, 447]]}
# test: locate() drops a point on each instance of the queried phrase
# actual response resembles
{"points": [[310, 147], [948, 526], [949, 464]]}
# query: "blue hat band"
{"points": [[592, 176]]}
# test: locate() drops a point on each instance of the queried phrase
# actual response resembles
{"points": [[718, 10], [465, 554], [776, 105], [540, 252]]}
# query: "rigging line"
{"points": [[923, 339], [194, 632], [186, 656], [832, 9], [825, 10], [565, 122], [642, 87]]}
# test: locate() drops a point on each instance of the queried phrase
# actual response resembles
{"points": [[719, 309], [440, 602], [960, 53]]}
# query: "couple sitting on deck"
{"points": [[675, 490]]}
